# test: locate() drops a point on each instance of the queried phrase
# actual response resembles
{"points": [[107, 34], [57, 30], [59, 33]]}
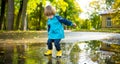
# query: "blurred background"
{"points": [[100, 15]]}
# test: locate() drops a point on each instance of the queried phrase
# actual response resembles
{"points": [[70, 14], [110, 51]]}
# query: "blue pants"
{"points": [[56, 43]]}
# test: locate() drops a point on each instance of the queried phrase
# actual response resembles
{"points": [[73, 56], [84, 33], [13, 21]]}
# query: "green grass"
{"points": [[100, 30], [21, 34]]}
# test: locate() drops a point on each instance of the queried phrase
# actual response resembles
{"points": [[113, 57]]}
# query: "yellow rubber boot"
{"points": [[59, 53], [49, 52]]}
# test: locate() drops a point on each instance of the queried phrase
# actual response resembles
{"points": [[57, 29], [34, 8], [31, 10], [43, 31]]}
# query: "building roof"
{"points": [[109, 11], [106, 12]]}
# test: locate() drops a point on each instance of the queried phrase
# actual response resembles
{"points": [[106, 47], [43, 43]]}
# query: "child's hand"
{"points": [[74, 25]]}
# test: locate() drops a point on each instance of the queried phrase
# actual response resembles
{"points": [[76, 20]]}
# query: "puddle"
{"points": [[112, 40], [85, 52]]}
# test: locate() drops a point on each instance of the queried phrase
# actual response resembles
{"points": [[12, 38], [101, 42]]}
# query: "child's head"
{"points": [[49, 11]]}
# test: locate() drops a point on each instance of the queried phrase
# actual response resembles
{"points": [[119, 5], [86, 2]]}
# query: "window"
{"points": [[108, 22]]}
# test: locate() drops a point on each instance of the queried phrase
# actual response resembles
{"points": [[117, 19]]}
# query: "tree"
{"points": [[21, 19], [109, 4], [37, 20], [24, 14], [86, 24], [2, 14], [97, 6], [17, 24], [10, 14], [68, 9], [116, 8], [72, 12], [95, 20], [18, 9]]}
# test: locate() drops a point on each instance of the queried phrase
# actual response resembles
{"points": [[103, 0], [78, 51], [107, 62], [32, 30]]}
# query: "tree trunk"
{"points": [[9, 50], [40, 17], [25, 23], [19, 16], [21, 51], [10, 14], [24, 14], [2, 14], [65, 16]]}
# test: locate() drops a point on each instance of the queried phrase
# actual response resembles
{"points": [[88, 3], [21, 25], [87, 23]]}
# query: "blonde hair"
{"points": [[49, 10]]}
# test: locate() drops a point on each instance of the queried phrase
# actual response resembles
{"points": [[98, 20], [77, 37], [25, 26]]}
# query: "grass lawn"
{"points": [[100, 30]]}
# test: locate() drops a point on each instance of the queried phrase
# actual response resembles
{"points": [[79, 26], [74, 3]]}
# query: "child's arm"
{"points": [[66, 22]]}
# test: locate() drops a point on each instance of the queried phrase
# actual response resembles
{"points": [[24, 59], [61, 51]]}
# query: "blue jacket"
{"points": [[55, 27]]}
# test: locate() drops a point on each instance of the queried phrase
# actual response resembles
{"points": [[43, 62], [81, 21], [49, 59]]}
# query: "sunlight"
{"points": [[84, 4], [82, 46]]}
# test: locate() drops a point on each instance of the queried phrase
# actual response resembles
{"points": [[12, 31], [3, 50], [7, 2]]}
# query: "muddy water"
{"points": [[85, 52]]}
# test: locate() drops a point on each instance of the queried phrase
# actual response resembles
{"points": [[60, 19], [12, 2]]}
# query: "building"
{"points": [[108, 21]]}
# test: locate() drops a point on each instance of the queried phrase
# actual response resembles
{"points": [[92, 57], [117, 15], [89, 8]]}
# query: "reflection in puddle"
{"points": [[112, 40], [87, 52]]}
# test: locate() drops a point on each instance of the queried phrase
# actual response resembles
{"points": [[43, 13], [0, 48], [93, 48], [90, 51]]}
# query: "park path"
{"points": [[86, 36], [69, 37]]}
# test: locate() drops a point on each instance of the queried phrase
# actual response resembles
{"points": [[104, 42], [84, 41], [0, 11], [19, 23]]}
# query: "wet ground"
{"points": [[74, 51], [85, 52]]}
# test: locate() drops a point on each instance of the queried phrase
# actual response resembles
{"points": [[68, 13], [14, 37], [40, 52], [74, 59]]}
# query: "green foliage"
{"points": [[17, 6], [116, 7], [74, 54], [60, 5], [86, 24], [109, 2], [69, 9], [95, 20], [37, 20], [95, 16], [32, 4], [94, 45], [72, 12]]}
